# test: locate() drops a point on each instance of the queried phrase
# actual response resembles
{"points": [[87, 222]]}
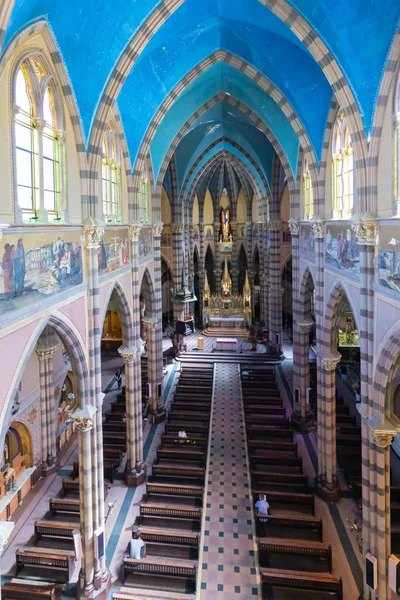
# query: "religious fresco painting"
{"points": [[389, 258], [36, 265], [209, 232], [307, 242], [341, 249], [166, 236], [146, 243], [113, 250]]}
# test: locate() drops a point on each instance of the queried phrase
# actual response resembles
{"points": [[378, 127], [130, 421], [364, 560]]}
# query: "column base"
{"points": [[101, 593], [137, 476], [158, 416], [330, 492], [45, 469], [302, 424]]}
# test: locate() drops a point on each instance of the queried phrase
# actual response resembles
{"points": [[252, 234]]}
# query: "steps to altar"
{"points": [[228, 332]]}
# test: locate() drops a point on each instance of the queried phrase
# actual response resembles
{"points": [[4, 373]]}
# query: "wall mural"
{"points": [[113, 250], [307, 242], [209, 232], [166, 236], [36, 265], [341, 249], [389, 258]]}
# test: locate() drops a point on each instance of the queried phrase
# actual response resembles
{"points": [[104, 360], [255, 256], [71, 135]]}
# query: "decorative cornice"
{"points": [[330, 363], [46, 353], [134, 232], [157, 229], [128, 354], [364, 228], [318, 227], [383, 431], [294, 226], [177, 227], [83, 424], [151, 322], [305, 327], [187, 226]]}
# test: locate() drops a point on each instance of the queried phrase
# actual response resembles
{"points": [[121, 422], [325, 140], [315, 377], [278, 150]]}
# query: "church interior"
{"points": [[199, 308]]}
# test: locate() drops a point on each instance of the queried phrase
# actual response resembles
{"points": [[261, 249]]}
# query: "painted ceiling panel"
{"points": [[91, 35], [236, 84], [359, 33]]}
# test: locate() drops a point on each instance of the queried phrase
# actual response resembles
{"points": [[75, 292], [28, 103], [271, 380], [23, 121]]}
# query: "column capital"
{"points": [[46, 353], [201, 224], [294, 226], [177, 227], [383, 431], [151, 322], [93, 232], [84, 418], [330, 363], [134, 232], [275, 225], [39, 124], [128, 353], [157, 229], [305, 327], [187, 226], [60, 133], [364, 228], [318, 227]]}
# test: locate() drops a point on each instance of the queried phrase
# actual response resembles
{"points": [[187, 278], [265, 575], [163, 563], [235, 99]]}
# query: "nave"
{"points": [[219, 543]]}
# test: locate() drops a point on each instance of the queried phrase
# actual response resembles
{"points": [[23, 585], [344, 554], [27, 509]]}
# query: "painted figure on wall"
{"points": [[28, 269], [389, 259], [112, 251], [225, 231], [341, 249]]}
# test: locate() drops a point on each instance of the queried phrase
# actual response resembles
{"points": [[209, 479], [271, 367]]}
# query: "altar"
{"points": [[226, 344]]}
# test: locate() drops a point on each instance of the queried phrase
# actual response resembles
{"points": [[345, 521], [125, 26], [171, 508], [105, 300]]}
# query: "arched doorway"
{"points": [[242, 268], [287, 300], [210, 269]]}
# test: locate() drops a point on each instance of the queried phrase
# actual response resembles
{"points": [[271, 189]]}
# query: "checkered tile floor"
{"points": [[229, 551]]}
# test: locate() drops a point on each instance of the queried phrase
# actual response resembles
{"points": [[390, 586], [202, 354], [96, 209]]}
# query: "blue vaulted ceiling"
{"points": [[92, 35]]}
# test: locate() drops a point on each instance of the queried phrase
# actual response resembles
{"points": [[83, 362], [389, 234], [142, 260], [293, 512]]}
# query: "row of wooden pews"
{"points": [[171, 510], [294, 560], [49, 560]]}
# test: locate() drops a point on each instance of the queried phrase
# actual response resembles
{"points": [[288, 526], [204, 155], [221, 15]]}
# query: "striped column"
{"points": [[249, 253], [201, 265], [45, 350], [217, 256], [154, 335], [261, 271], [84, 423], [235, 272], [266, 276], [177, 230], [138, 466], [93, 234], [275, 285]]}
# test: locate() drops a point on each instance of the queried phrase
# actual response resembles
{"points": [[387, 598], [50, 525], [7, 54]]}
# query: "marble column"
{"points": [[327, 485], [235, 270], [217, 258], [301, 417], [93, 234], [202, 260], [135, 470], [275, 286], [84, 423], [154, 336], [46, 349]]}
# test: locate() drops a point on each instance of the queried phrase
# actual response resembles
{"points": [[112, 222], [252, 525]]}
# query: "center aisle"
{"points": [[229, 549]]}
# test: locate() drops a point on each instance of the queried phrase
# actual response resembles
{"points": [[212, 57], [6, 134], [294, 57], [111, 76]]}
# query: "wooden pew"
{"points": [[180, 538], [275, 445], [270, 409], [267, 420], [316, 550], [190, 426], [184, 472], [61, 505], [70, 486], [287, 525], [268, 458], [278, 498], [188, 415], [290, 481], [183, 453], [54, 529], [197, 440], [34, 590], [268, 432], [173, 511], [61, 563], [160, 566], [312, 582], [114, 417], [174, 489]]}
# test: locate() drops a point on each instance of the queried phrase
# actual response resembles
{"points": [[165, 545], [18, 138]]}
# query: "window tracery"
{"points": [[343, 170], [111, 177], [39, 161], [308, 193]]}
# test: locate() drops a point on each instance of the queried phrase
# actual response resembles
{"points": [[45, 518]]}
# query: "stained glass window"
{"points": [[111, 176], [308, 193], [343, 171]]}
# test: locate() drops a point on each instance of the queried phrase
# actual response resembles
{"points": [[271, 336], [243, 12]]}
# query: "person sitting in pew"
{"points": [[245, 374], [182, 436], [262, 505], [137, 548]]}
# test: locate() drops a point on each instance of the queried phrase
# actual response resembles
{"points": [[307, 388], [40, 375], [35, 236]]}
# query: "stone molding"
{"points": [[128, 354], [318, 227], [46, 353], [134, 231], [157, 229], [177, 227], [151, 322], [330, 363], [92, 235], [275, 225], [294, 226], [364, 228], [305, 327]]}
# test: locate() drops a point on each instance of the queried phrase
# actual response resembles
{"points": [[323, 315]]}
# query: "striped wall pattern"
{"points": [[302, 326], [47, 404], [274, 245], [137, 451], [154, 339], [298, 363]]}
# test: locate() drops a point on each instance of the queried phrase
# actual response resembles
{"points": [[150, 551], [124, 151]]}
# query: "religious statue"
{"points": [[225, 232]]}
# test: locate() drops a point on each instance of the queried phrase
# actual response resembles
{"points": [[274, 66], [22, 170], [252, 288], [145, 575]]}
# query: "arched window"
{"points": [[111, 177], [396, 148], [308, 193], [343, 171], [144, 201], [38, 145]]}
